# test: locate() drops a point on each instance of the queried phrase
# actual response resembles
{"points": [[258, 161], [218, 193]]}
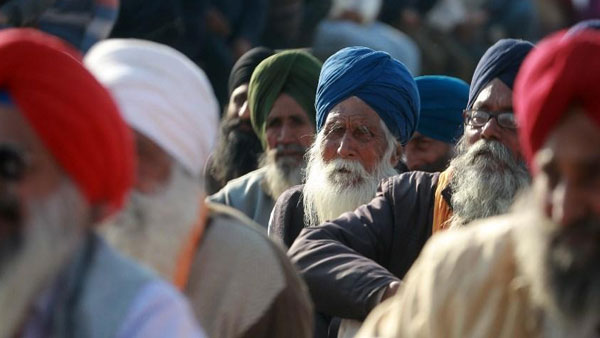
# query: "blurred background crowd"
{"points": [[428, 36]]}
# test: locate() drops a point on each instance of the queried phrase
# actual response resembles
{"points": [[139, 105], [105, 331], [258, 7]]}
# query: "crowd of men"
{"points": [[332, 199]]}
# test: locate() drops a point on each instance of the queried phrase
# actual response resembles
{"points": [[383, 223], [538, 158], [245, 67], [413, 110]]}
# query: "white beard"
{"points": [[486, 178], [281, 174], [51, 235], [154, 229], [329, 192]]}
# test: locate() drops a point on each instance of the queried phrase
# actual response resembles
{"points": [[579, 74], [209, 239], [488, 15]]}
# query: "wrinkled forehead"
{"points": [[495, 96], [353, 111]]}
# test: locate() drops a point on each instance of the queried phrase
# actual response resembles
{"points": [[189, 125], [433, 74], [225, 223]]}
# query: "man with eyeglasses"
{"points": [[354, 262], [533, 272]]}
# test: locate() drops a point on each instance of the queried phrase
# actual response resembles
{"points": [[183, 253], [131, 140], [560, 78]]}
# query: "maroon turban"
{"points": [[562, 71], [71, 112]]}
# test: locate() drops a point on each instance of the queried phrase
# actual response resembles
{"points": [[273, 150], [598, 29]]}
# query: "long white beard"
{"points": [[51, 235], [152, 229], [486, 177], [339, 185], [281, 173]]}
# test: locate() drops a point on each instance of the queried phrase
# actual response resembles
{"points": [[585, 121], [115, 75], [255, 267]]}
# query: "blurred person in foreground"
{"points": [[281, 98], [67, 162], [535, 271], [353, 262], [239, 283]]}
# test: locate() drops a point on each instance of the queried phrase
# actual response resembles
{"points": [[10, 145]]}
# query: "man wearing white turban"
{"points": [[239, 283]]}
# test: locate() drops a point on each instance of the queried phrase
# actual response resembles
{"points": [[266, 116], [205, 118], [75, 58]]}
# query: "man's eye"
{"points": [[273, 123]]}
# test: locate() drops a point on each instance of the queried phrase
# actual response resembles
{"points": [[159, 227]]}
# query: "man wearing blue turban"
{"points": [[355, 261], [367, 106], [443, 99]]}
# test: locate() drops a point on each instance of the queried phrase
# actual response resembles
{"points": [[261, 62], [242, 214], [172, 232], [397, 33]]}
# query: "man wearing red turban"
{"points": [[66, 162], [536, 271]]}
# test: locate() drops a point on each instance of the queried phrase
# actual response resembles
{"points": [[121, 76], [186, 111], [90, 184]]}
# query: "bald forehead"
{"points": [[495, 96]]}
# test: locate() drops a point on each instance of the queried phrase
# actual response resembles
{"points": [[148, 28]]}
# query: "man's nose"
{"points": [[244, 112], [346, 148], [491, 130]]}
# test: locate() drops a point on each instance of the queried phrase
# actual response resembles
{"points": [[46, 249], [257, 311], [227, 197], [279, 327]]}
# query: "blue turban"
{"points": [[502, 61], [376, 78], [584, 25], [443, 99]]}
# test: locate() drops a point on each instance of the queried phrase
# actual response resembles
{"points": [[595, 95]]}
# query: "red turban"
{"points": [[562, 71], [71, 112]]}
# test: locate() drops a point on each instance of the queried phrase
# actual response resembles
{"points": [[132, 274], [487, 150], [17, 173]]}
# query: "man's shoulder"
{"points": [[493, 236], [242, 184], [293, 195], [234, 229], [250, 179], [480, 254], [420, 178], [237, 273], [457, 272]]}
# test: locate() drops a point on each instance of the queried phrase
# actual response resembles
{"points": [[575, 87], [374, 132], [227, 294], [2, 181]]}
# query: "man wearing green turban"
{"points": [[281, 100]]}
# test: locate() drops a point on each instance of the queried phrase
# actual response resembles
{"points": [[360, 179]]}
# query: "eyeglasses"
{"points": [[13, 163], [478, 118]]}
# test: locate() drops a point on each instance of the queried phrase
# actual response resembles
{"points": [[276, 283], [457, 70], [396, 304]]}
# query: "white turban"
{"points": [[161, 94]]}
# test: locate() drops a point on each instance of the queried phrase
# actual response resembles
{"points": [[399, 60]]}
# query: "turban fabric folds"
{"points": [[162, 94], [71, 112], [245, 65], [382, 82], [584, 25], [73, 115], [443, 99], [564, 70], [292, 72], [501, 61]]}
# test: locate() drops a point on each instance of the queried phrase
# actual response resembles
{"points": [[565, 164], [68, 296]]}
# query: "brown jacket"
{"points": [[347, 262]]}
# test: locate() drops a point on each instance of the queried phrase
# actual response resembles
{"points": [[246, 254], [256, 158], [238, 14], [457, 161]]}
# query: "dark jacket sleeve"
{"points": [[287, 217], [338, 259], [346, 263]]}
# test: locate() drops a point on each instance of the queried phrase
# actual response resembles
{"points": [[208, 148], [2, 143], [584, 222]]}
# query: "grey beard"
{"points": [[281, 173], [486, 177], [152, 229], [50, 237], [327, 194], [564, 275]]}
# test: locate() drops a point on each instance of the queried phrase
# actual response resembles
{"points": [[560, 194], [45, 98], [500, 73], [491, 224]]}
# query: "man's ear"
{"points": [[396, 155]]}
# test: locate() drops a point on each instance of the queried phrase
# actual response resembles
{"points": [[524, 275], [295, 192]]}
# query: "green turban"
{"points": [[293, 72]]}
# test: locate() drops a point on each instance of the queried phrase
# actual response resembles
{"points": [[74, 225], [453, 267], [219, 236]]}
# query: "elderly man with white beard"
{"points": [[240, 284], [281, 97], [353, 262], [67, 162], [534, 272], [362, 121]]}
